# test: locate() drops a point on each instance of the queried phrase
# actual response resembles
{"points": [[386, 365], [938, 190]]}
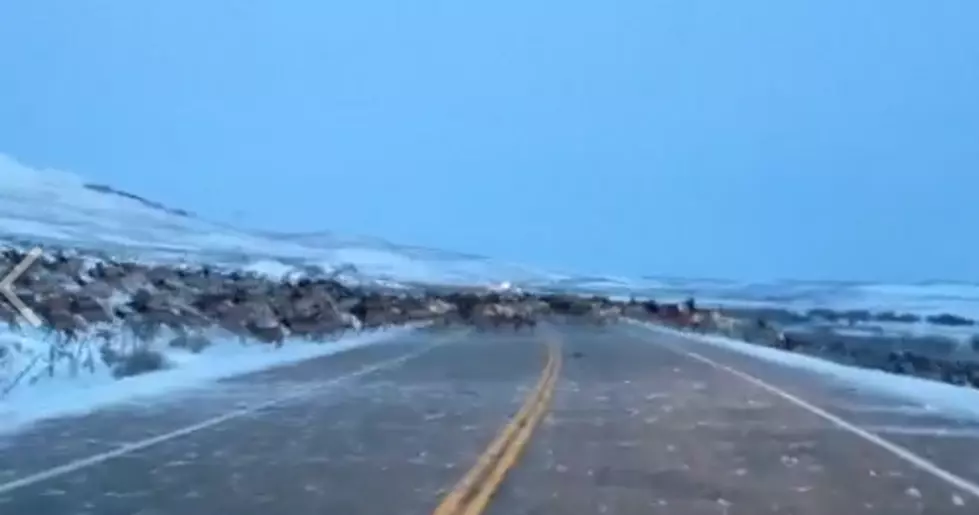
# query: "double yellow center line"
{"points": [[472, 494]]}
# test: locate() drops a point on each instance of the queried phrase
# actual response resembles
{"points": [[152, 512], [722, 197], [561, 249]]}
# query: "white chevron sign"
{"points": [[7, 287]]}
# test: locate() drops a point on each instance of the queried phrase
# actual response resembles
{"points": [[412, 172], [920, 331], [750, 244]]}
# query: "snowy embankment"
{"points": [[111, 330], [83, 384], [949, 399]]}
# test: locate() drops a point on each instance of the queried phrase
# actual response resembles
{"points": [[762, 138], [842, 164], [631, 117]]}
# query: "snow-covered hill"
{"points": [[56, 208]]}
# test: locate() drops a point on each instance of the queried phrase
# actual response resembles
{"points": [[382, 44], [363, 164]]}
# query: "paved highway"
{"points": [[566, 420]]}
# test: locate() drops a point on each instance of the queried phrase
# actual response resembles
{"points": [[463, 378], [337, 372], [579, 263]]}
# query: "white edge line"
{"points": [[96, 459], [934, 431], [895, 449]]}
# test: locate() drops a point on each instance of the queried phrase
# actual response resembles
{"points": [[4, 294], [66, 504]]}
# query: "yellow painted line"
{"points": [[471, 495], [453, 501], [512, 454]]}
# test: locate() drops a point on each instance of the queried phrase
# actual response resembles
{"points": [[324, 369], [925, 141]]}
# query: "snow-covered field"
{"points": [[922, 299], [59, 209]]}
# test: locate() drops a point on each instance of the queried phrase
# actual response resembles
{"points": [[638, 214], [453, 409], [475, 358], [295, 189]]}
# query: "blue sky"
{"points": [[749, 139]]}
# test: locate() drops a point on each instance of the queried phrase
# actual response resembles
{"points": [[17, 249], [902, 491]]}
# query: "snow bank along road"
{"points": [[566, 420]]}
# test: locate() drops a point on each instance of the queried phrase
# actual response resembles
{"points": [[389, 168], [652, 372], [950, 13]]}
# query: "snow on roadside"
{"points": [[950, 399], [77, 394]]}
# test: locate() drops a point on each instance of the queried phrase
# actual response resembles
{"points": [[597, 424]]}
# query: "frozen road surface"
{"points": [[567, 420]]}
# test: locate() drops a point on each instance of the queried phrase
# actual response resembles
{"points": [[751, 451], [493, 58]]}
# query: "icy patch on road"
{"points": [[68, 395], [942, 397]]}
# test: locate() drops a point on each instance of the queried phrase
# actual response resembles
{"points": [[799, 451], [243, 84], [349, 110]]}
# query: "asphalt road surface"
{"points": [[567, 420]]}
